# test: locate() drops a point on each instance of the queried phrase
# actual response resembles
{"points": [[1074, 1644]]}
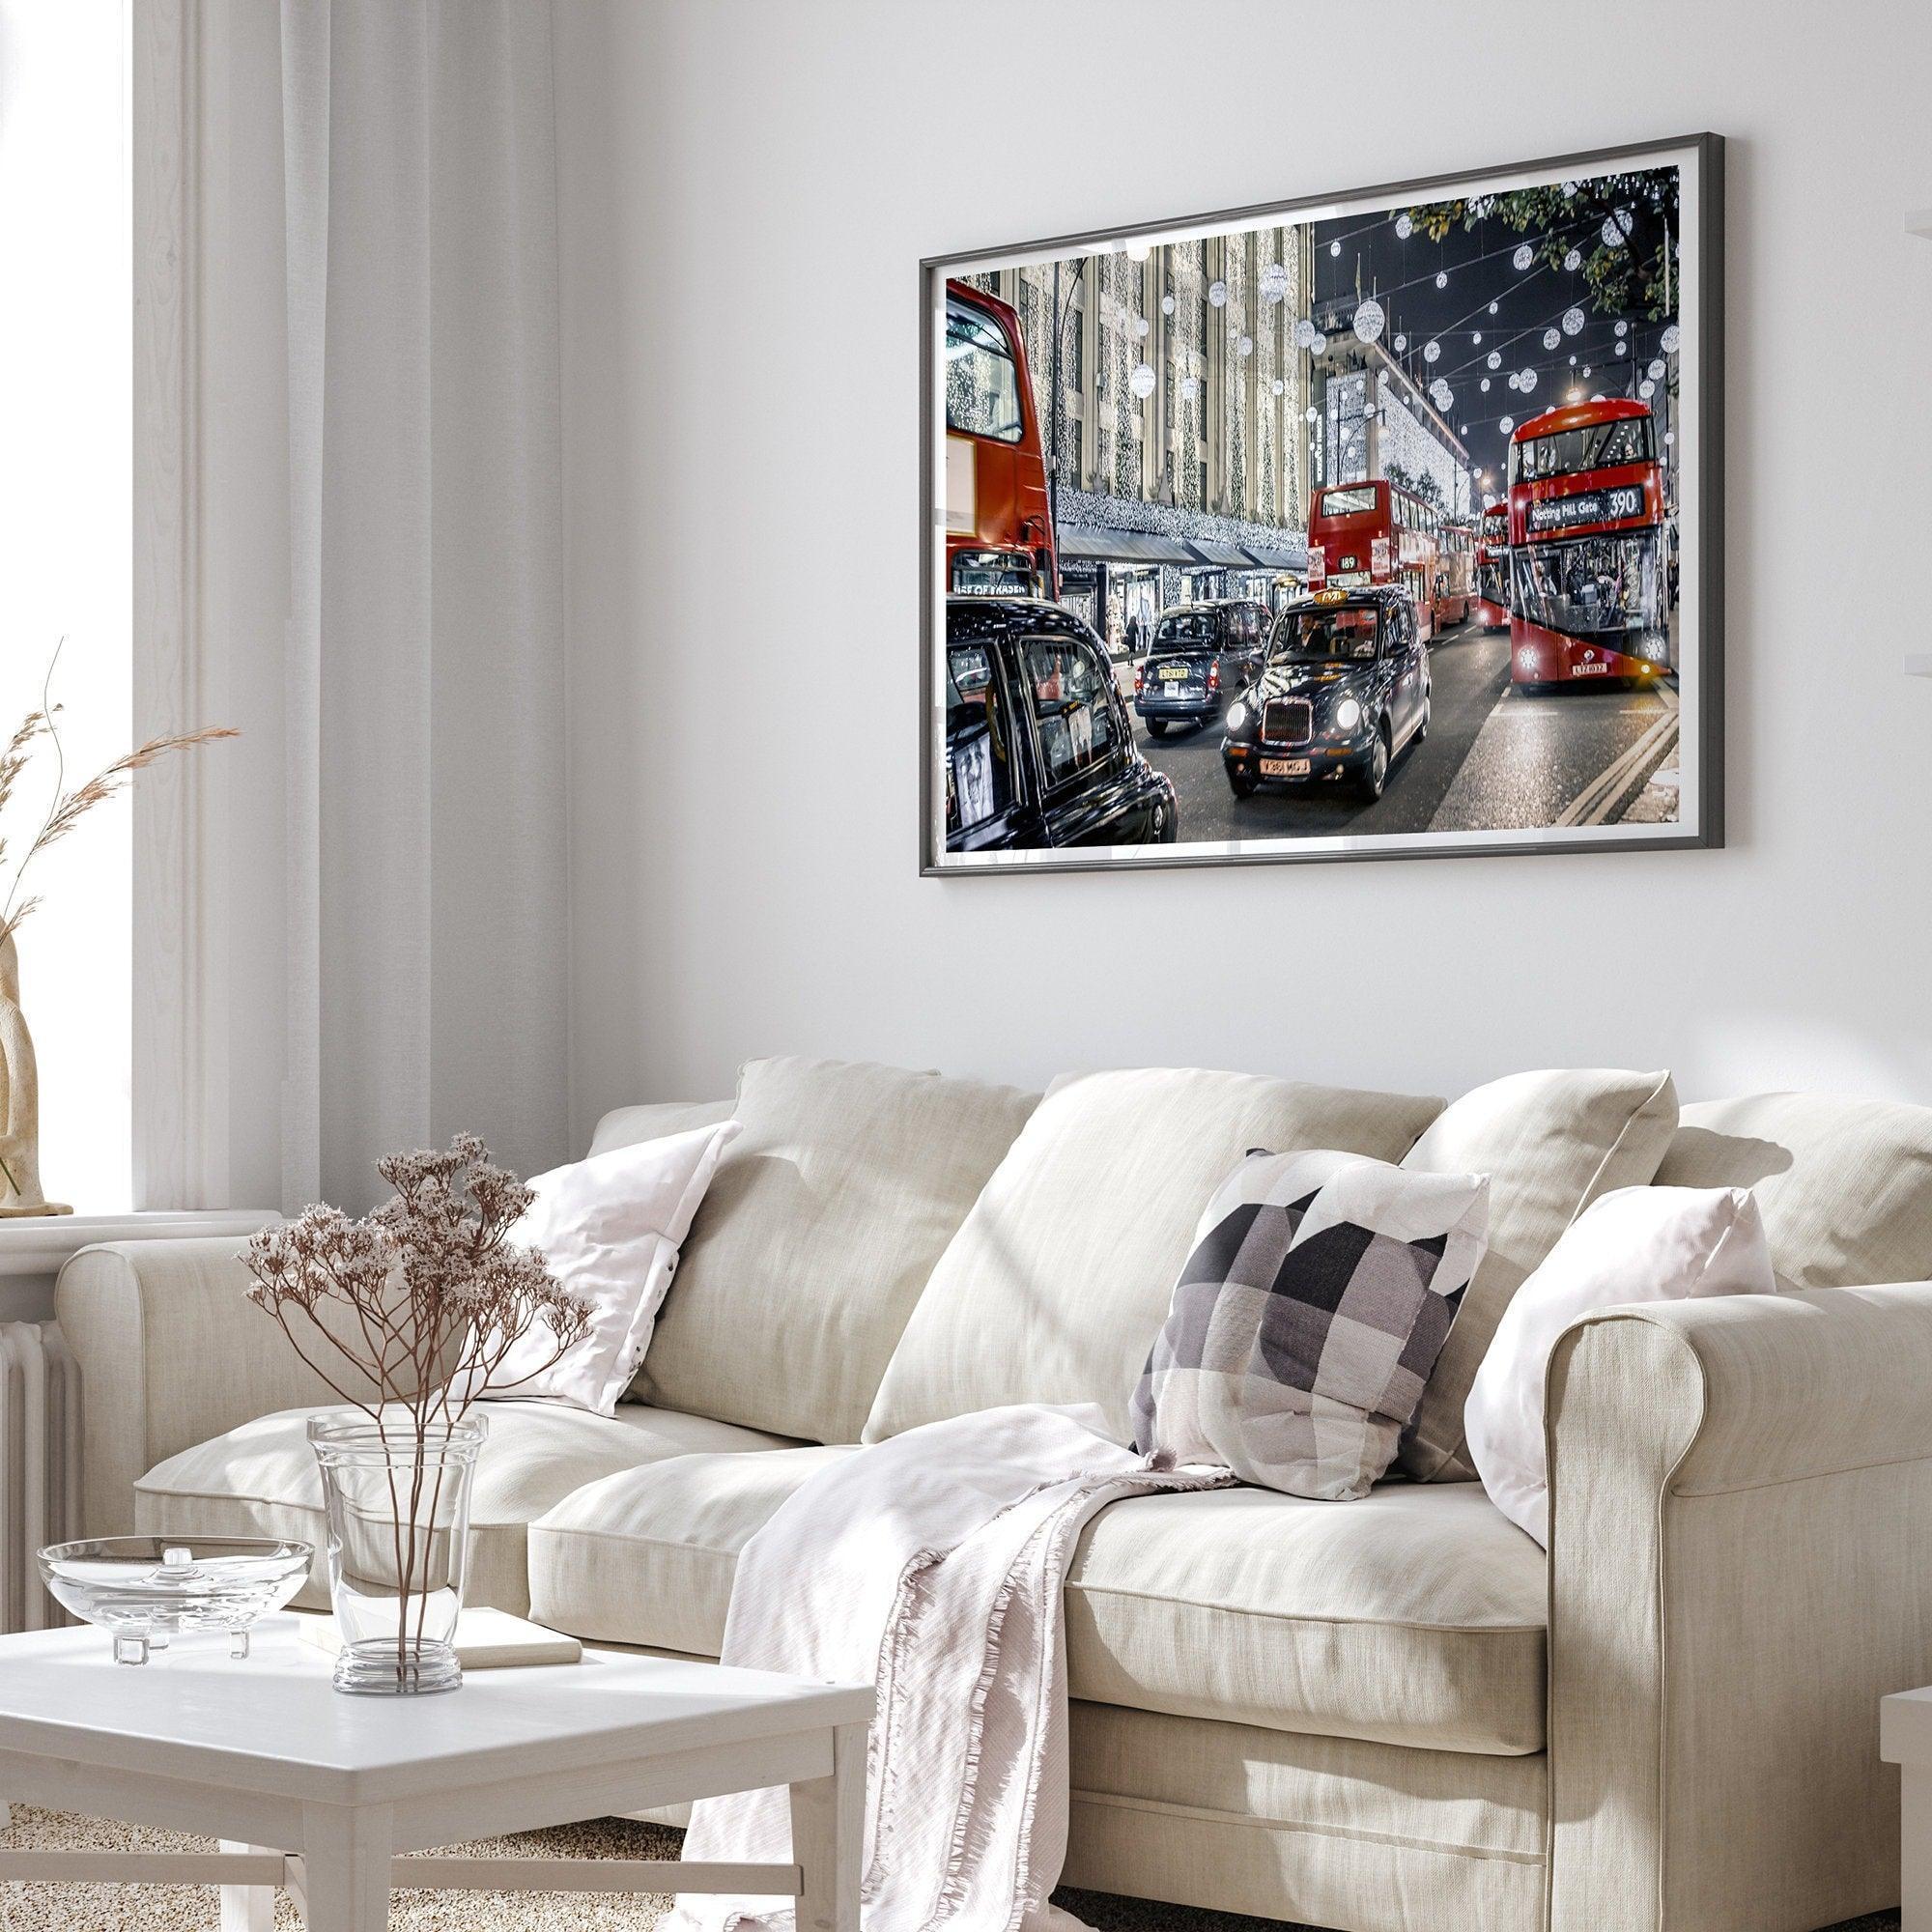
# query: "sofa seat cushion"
{"points": [[1415, 1616], [261, 1480]]}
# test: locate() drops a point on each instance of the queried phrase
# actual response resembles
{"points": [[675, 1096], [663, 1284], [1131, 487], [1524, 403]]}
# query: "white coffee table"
{"points": [[1905, 1738], [317, 1792]]}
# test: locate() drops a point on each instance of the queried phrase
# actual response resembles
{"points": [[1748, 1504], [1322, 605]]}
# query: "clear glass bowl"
{"points": [[143, 1590]]}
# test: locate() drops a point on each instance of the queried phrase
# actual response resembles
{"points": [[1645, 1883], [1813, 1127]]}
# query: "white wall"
{"points": [[746, 189]]}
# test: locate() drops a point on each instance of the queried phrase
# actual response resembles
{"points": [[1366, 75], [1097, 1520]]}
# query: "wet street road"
{"points": [[1492, 758]]}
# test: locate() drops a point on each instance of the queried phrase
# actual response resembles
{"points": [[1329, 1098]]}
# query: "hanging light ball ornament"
{"points": [[1586, 369], [1622, 329], [1334, 248], [1274, 282], [1278, 387], [1523, 257], [1495, 358], [1475, 336], [1669, 436], [1404, 227], [1574, 260], [1485, 386], [1432, 351], [1626, 220], [1142, 381], [1613, 236], [1526, 382], [1443, 279], [1314, 414], [1656, 369], [1507, 424], [1569, 190], [1401, 344], [1141, 324], [1369, 320], [1245, 347], [1304, 334], [1167, 304], [1320, 346], [1217, 294], [1190, 387], [1492, 308], [1573, 359], [1573, 321], [1672, 339], [1646, 388], [1550, 338]]}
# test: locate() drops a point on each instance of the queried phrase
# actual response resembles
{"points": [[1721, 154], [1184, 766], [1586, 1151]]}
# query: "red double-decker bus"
{"points": [[1375, 532], [1589, 594], [1490, 605], [999, 519], [1454, 571]]}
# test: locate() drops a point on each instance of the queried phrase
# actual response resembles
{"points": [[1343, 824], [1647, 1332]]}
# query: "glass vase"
{"points": [[397, 1500]]}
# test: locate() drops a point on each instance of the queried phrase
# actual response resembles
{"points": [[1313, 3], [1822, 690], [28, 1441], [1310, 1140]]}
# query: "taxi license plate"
{"points": [[1169, 673], [1590, 671], [1285, 768]]}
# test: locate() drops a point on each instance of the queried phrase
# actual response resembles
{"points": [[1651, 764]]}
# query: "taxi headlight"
{"points": [[1237, 714], [1347, 715]]}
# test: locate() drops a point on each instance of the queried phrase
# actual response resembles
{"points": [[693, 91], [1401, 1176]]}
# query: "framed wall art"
{"points": [[1387, 523]]}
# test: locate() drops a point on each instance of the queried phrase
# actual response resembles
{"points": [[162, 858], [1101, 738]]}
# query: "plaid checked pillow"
{"points": [[1305, 1322]]}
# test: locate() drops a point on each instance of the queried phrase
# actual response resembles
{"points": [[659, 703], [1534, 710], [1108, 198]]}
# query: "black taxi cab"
{"points": [[1344, 689], [1039, 751], [1201, 655]]}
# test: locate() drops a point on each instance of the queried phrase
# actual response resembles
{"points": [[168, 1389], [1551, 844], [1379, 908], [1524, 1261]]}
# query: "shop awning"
{"points": [[1270, 558], [1100, 546], [1221, 555]]}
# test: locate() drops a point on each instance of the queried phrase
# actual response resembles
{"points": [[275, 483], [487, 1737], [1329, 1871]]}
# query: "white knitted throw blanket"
{"points": [[932, 1564]]}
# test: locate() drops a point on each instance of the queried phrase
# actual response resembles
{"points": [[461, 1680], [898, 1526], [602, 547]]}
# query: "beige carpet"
{"points": [[102, 1908]]}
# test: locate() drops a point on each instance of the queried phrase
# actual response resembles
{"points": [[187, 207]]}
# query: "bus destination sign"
{"points": [[1588, 506]]}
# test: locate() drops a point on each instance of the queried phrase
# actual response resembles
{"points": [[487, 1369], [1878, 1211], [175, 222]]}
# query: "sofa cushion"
{"points": [[816, 1236], [626, 1126], [1414, 1616], [1550, 1143], [1844, 1185], [261, 1480], [1056, 1285]]}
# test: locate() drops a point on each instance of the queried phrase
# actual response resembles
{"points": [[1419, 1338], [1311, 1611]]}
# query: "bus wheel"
{"points": [[1156, 727], [1374, 775]]}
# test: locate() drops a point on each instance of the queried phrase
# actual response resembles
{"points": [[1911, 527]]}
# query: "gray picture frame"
{"points": [[1706, 531]]}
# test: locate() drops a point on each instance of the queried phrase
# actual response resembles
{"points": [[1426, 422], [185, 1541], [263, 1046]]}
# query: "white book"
{"points": [[485, 1639]]}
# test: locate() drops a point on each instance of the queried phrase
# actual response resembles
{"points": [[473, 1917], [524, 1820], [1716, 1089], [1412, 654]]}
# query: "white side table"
{"points": [[1905, 1738], [317, 1792]]}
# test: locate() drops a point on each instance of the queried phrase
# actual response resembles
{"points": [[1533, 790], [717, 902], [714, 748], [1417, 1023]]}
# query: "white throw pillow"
{"points": [[1637, 1244], [610, 1228]]}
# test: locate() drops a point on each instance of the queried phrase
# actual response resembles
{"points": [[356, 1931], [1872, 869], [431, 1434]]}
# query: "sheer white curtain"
{"points": [[424, 696]]}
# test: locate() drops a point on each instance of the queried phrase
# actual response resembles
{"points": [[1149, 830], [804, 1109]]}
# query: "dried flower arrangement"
{"points": [[408, 1313], [19, 1080]]}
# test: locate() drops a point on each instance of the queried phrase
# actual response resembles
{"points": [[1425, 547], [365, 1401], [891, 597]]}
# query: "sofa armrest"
{"points": [[171, 1353], [1740, 1507]]}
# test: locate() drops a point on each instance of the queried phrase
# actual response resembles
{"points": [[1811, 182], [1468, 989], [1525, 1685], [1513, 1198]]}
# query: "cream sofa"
{"points": [[1386, 1716]]}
